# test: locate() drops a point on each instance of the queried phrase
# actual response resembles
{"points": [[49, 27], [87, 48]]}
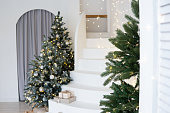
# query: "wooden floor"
{"points": [[13, 107]]}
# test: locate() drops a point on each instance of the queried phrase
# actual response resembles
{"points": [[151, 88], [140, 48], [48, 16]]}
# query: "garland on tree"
{"points": [[123, 68], [51, 68]]}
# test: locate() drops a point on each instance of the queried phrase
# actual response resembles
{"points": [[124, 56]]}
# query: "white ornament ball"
{"points": [[67, 43], [41, 67], [50, 51], [29, 98], [51, 76], [54, 27], [35, 74], [55, 64], [44, 99], [57, 36], [41, 89], [41, 55], [42, 50], [58, 44], [50, 57]]}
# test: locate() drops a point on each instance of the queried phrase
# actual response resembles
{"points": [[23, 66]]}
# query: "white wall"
{"points": [[118, 10], [115, 9], [10, 11], [93, 7]]}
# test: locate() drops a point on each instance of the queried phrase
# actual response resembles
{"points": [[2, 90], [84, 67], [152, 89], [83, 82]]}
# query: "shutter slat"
{"points": [[165, 10], [165, 62], [165, 27], [165, 36], [164, 2], [165, 45], [164, 77], [165, 19], [163, 104]]}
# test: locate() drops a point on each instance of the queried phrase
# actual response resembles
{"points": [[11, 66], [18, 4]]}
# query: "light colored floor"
{"points": [[13, 107]]}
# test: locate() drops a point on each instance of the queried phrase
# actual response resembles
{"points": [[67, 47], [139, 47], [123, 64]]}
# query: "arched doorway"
{"points": [[30, 30]]}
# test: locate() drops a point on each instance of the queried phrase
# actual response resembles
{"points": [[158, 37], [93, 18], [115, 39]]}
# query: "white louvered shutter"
{"points": [[164, 79]]}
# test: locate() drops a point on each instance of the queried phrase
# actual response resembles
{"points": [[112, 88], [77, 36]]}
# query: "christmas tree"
{"points": [[123, 68], [51, 68]]}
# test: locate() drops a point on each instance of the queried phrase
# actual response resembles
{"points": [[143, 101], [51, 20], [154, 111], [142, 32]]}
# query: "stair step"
{"points": [[93, 78], [98, 35], [95, 53], [94, 65], [75, 107], [87, 94], [99, 43]]}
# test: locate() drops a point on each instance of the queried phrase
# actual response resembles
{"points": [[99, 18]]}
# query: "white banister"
{"points": [[80, 38]]}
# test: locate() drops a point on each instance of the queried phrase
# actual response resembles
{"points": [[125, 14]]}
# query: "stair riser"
{"points": [[57, 107], [98, 43], [95, 53], [88, 79], [89, 96], [92, 65]]}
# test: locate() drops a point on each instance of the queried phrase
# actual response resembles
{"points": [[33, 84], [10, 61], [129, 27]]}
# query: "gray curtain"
{"points": [[31, 28]]}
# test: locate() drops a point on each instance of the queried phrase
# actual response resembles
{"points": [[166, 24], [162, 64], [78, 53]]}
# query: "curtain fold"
{"points": [[31, 28]]}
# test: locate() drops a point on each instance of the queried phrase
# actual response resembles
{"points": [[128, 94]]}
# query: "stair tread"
{"points": [[100, 48], [84, 87], [87, 72], [93, 59], [84, 105]]}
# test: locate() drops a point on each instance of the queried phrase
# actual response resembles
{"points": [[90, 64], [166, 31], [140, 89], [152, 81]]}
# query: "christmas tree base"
{"points": [[38, 110]]}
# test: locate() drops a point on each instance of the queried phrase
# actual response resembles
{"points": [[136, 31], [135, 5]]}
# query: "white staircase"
{"points": [[87, 84]]}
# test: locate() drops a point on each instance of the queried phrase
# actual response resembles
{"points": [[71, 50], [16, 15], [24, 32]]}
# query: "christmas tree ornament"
{"points": [[58, 44], [51, 76], [35, 74], [49, 51], [67, 42], [50, 57], [52, 37], [41, 89], [54, 27], [41, 54], [41, 67], [44, 99], [29, 98], [64, 51], [42, 50], [55, 64], [57, 36], [46, 84]]}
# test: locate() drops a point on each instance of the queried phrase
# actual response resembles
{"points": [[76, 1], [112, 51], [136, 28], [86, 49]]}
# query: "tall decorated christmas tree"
{"points": [[123, 68], [52, 68]]}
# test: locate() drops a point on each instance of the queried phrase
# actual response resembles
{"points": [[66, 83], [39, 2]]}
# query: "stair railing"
{"points": [[80, 39]]}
